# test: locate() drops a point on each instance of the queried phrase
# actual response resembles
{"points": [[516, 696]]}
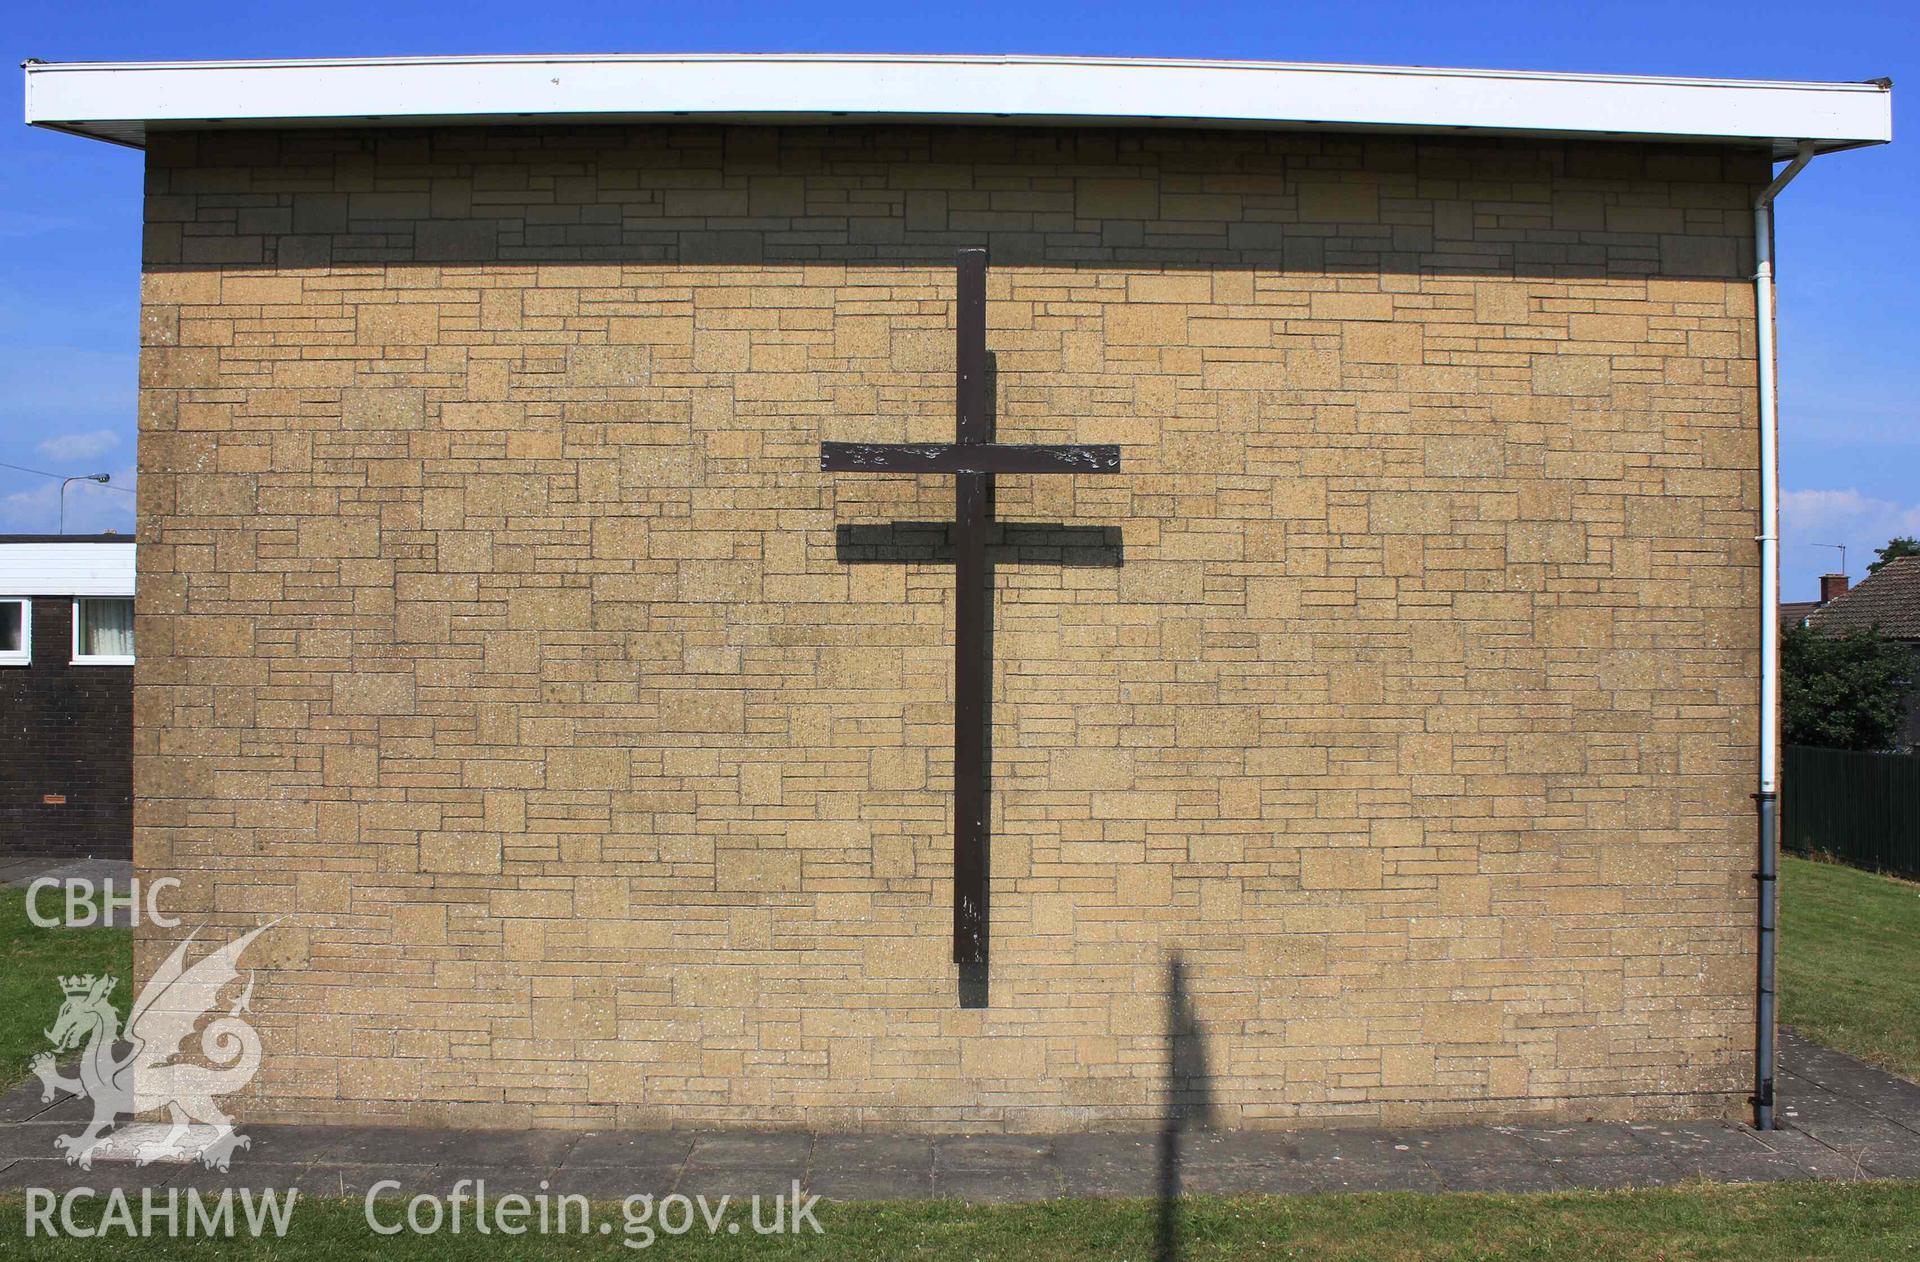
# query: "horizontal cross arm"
{"points": [[969, 458]]}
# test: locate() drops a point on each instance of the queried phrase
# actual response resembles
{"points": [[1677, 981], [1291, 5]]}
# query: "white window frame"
{"points": [[22, 656], [97, 659]]}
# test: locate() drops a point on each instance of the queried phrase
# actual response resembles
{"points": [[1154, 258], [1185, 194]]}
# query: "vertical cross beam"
{"points": [[971, 597], [973, 458]]}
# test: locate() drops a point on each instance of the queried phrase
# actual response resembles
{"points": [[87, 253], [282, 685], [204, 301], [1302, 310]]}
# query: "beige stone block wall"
{"points": [[496, 632]]}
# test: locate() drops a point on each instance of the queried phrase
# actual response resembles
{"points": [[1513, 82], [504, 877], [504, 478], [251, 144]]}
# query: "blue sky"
{"points": [[1849, 229]]}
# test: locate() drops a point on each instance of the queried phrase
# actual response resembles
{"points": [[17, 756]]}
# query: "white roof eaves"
{"points": [[42, 567], [122, 101]]}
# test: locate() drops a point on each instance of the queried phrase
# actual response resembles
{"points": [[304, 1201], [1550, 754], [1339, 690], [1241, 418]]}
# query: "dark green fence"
{"points": [[1861, 808]]}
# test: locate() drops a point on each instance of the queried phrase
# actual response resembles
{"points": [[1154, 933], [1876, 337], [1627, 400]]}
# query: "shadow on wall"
{"points": [[1189, 1102], [694, 195]]}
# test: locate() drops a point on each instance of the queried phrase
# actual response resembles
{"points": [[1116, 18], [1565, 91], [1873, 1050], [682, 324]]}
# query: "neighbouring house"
{"points": [[1887, 600], [576, 612], [66, 695], [1794, 613]]}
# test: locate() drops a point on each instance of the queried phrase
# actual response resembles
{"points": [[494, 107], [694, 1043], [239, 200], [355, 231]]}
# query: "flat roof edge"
{"points": [[122, 101]]}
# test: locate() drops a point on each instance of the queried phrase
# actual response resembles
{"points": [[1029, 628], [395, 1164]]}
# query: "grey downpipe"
{"points": [[1766, 800]]}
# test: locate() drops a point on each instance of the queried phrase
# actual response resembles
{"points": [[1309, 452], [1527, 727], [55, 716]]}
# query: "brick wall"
{"points": [[500, 633], [65, 732]]}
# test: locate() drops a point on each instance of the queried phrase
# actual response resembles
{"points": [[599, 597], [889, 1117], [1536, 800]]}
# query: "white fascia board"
{"points": [[66, 569], [122, 101]]}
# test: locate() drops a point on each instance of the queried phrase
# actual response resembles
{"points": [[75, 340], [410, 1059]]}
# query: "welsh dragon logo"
{"points": [[145, 1078]]}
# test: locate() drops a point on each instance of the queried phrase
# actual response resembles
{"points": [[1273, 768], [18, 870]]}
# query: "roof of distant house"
{"points": [[66, 565], [1794, 612], [124, 101], [1888, 599]]}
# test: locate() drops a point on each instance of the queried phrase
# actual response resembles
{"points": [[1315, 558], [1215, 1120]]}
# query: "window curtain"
{"points": [[106, 628]]}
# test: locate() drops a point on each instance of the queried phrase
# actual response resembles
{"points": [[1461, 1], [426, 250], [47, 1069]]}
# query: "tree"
{"points": [[1843, 691], [1901, 546]]}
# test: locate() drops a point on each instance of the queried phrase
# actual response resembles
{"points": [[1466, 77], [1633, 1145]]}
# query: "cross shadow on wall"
{"points": [[1188, 1103]]}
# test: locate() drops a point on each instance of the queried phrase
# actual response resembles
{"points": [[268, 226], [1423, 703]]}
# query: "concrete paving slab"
{"points": [[1740, 1167], [871, 1151], [257, 1176], [985, 1185], [492, 1183], [1617, 1170], [1578, 1139], [1890, 1162], [32, 1140], [752, 1148], [144, 1142], [741, 1181], [405, 1145], [1672, 1138], [328, 1178], [1356, 1176], [61, 1176], [1108, 1165], [1465, 1144], [872, 1182], [22, 1103], [282, 1143], [516, 1150], [1269, 1178], [1495, 1176], [623, 1148], [617, 1183], [24, 871], [965, 1152], [1350, 1145]]}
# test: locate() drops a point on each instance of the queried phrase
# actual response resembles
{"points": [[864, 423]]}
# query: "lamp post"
{"points": [[101, 478]]}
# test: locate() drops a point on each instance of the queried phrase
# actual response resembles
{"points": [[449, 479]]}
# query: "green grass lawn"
{"points": [[32, 960], [1850, 961], [1854, 1222]]}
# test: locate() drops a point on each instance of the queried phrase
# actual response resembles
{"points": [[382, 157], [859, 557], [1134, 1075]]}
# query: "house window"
{"points": [[16, 632], [103, 631]]}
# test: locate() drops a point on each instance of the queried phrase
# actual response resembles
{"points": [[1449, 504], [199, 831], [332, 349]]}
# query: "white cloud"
{"points": [[91, 509], [81, 446], [1814, 520], [1805, 515]]}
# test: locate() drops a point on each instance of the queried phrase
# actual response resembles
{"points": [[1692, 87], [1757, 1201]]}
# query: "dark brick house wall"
{"points": [[65, 731]]}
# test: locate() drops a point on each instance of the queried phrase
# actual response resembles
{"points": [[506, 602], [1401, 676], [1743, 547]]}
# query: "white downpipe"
{"points": [[1769, 469], [1769, 538]]}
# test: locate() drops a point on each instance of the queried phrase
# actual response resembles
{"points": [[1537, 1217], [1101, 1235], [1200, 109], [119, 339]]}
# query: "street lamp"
{"points": [[101, 478]]}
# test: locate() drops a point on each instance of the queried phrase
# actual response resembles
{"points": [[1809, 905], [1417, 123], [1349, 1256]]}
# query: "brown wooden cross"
{"points": [[974, 458]]}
